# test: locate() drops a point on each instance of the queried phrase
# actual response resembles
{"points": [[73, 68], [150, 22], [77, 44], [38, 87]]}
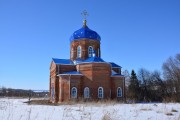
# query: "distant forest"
{"points": [[154, 86], [9, 92]]}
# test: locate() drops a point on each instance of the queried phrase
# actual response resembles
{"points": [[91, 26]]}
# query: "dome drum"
{"points": [[84, 44]]}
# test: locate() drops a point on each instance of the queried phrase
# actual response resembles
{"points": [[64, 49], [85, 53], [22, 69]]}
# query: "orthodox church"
{"points": [[85, 75]]}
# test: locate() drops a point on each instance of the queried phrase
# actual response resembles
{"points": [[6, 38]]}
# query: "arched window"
{"points": [[119, 92], [74, 92], [100, 92], [90, 51], [79, 52], [86, 92]]}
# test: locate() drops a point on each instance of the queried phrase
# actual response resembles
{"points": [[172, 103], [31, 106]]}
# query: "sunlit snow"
{"points": [[16, 109]]}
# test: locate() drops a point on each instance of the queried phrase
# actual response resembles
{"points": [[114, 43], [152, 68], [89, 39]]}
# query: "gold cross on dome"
{"points": [[84, 14]]}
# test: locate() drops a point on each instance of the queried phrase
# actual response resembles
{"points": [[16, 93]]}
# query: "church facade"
{"points": [[85, 75]]}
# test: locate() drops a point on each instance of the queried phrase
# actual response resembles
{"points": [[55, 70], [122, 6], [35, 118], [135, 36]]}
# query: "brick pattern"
{"points": [[117, 81], [66, 68], [84, 43], [95, 75], [55, 81], [66, 82]]}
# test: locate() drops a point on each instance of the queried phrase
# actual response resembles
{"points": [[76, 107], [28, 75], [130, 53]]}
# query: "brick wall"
{"points": [[66, 68], [117, 81], [84, 43], [66, 82], [64, 85], [96, 75], [52, 78]]}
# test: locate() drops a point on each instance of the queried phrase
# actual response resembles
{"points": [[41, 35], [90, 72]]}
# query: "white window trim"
{"points": [[79, 53], [90, 55], [120, 91], [102, 92], [75, 93], [88, 93]]}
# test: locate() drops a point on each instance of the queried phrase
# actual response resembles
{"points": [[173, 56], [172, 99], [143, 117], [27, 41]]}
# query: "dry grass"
{"points": [[74, 102], [40, 102], [106, 117], [159, 111], [169, 114], [173, 110], [146, 109]]}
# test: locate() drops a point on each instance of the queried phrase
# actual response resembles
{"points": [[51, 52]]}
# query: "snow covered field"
{"points": [[15, 109]]}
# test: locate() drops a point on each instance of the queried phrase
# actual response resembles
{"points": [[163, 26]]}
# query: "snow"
{"points": [[16, 109]]}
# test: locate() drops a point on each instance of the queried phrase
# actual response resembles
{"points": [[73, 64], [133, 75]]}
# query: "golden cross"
{"points": [[84, 14]]}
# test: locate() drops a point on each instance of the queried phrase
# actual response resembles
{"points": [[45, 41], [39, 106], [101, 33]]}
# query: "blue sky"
{"points": [[134, 33]]}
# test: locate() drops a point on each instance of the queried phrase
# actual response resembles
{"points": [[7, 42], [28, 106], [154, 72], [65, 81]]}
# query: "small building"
{"points": [[85, 75]]}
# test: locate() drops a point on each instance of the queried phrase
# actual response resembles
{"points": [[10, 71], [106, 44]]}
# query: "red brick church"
{"points": [[85, 75]]}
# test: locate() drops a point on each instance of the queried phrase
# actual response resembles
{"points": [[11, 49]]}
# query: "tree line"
{"points": [[10, 92], [150, 86]]}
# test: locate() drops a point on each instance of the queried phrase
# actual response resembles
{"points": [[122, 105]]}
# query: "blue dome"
{"points": [[85, 32]]}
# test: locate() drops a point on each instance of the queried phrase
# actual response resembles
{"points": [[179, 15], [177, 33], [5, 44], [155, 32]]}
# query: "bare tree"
{"points": [[127, 77], [157, 86], [171, 71], [127, 81], [151, 85], [144, 77]]}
